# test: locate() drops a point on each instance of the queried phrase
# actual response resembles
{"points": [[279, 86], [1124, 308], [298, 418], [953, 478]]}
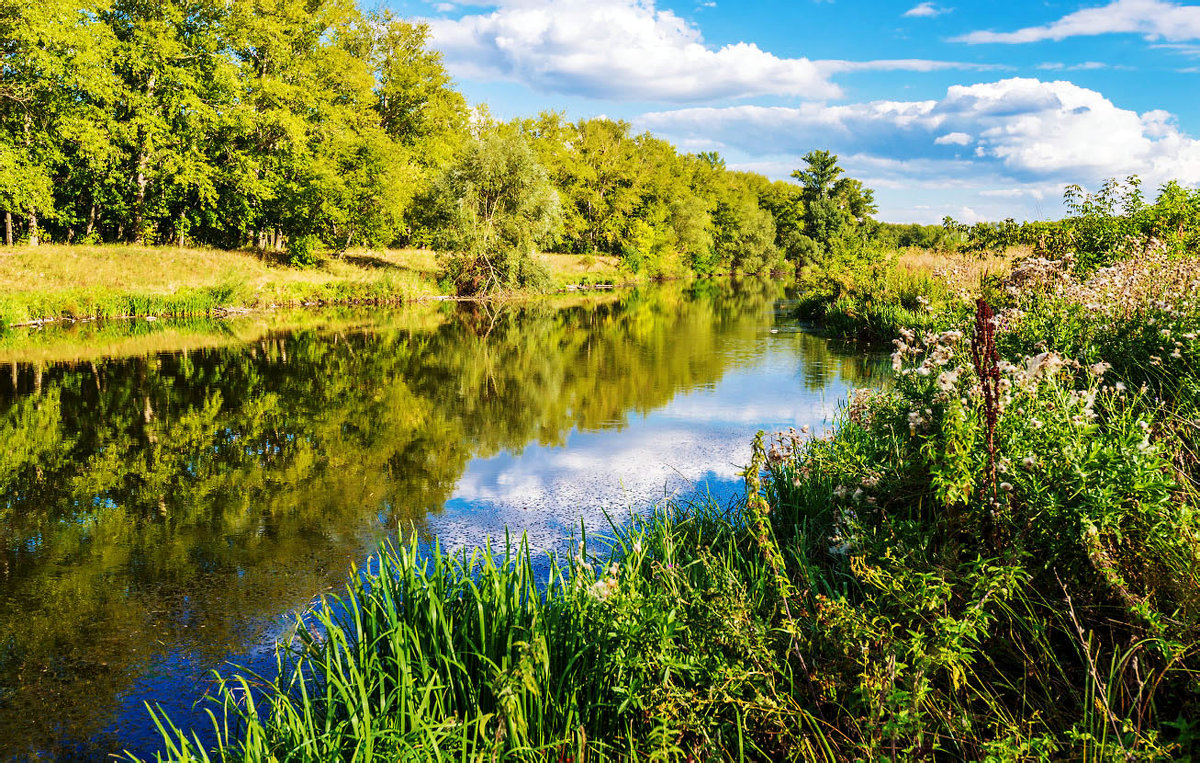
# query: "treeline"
{"points": [[228, 123], [1100, 228], [311, 126]]}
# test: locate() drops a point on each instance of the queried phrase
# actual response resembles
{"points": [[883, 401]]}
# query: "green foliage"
{"points": [[1101, 228], [500, 205], [836, 214], [225, 123], [304, 251]]}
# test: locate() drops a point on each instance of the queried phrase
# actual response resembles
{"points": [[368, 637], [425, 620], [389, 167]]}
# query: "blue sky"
{"points": [[976, 110]]}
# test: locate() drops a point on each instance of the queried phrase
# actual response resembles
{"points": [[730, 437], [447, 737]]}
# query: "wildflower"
{"points": [[841, 491], [858, 494], [1119, 386], [1099, 369], [1028, 463], [613, 569], [1006, 487], [1036, 424], [637, 546], [947, 379]]}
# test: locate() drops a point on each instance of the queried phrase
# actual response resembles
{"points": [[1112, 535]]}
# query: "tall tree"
{"points": [[499, 205], [819, 175]]}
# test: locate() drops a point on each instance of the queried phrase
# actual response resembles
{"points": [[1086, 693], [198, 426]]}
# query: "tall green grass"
{"points": [[665, 644]]}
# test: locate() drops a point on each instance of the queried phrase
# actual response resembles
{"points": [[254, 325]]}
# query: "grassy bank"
{"points": [[996, 558], [71, 282], [872, 300]]}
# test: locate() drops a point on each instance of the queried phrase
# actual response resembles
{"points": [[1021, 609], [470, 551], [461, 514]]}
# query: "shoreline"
{"points": [[63, 284]]}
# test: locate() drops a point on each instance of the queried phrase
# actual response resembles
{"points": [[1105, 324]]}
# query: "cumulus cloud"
{"points": [[953, 139], [617, 49], [1153, 19], [632, 50], [1026, 129], [926, 10]]}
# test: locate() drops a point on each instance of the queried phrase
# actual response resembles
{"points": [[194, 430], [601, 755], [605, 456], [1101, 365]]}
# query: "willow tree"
{"points": [[498, 205]]}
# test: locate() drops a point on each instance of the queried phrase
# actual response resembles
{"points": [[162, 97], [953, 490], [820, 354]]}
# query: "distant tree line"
{"points": [[311, 126], [1099, 228]]}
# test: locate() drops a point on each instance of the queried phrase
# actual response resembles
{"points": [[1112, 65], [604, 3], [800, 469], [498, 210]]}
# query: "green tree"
{"points": [[819, 175], [835, 209], [498, 205]]}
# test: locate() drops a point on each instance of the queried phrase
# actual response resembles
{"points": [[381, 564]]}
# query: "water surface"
{"points": [[168, 504]]}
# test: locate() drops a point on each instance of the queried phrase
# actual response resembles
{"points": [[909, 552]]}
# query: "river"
{"points": [[174, 493]]}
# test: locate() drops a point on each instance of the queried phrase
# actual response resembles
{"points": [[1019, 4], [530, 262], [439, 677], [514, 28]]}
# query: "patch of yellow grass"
{"points": [[958, 270], [137, 337], [165, 270]]}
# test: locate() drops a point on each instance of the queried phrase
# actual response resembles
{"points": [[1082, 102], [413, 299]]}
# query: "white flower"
{"points": [[1028, 462], [1100, 368], [1006, 487], [637, 546], [947, 379]]}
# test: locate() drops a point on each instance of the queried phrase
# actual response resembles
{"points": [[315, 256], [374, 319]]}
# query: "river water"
{"points": [[172, 495]]}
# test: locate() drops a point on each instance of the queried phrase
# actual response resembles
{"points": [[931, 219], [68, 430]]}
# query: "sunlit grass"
{"points": [[56, 281]]}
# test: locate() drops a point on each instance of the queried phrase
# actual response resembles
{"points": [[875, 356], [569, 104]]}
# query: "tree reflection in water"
{"points": [[161, 513]]}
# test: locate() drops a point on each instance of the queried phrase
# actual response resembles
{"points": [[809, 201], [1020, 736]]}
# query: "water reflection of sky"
{"points": [[697, 444]]}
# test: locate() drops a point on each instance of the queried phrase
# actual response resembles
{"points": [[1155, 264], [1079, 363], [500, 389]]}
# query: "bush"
{"points": [[304, 251]]}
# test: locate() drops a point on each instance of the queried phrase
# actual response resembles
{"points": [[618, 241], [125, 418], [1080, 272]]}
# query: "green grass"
{"points": [[58, 281]]}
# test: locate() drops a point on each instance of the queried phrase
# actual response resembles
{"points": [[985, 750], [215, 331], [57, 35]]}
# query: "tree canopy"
{"points": [[310, 126]]}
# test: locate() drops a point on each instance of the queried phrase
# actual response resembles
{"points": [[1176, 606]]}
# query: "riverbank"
{"points": [[997, 557], [55, 282], [872, 301]]}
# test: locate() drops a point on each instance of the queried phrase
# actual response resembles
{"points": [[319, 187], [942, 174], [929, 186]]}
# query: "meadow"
{"points": [[57, 282]]}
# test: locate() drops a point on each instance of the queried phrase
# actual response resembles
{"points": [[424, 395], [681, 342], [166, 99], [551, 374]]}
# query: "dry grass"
{"points": [[166, 270], [959, 271], [89, 341]]}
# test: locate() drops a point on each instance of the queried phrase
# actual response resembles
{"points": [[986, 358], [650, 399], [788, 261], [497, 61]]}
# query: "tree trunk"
{"points": [[91, 220], [33, 229], [181, 234], [142, 181], [8, 228]]}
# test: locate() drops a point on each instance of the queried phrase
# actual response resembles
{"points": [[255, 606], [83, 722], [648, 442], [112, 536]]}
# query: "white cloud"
{"points": [[1153, 19], [1058, 66], [1025, 128], [953, 139], [618, 49], [1016, 133], [926, 10], [833, 66], [631, 50]]}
